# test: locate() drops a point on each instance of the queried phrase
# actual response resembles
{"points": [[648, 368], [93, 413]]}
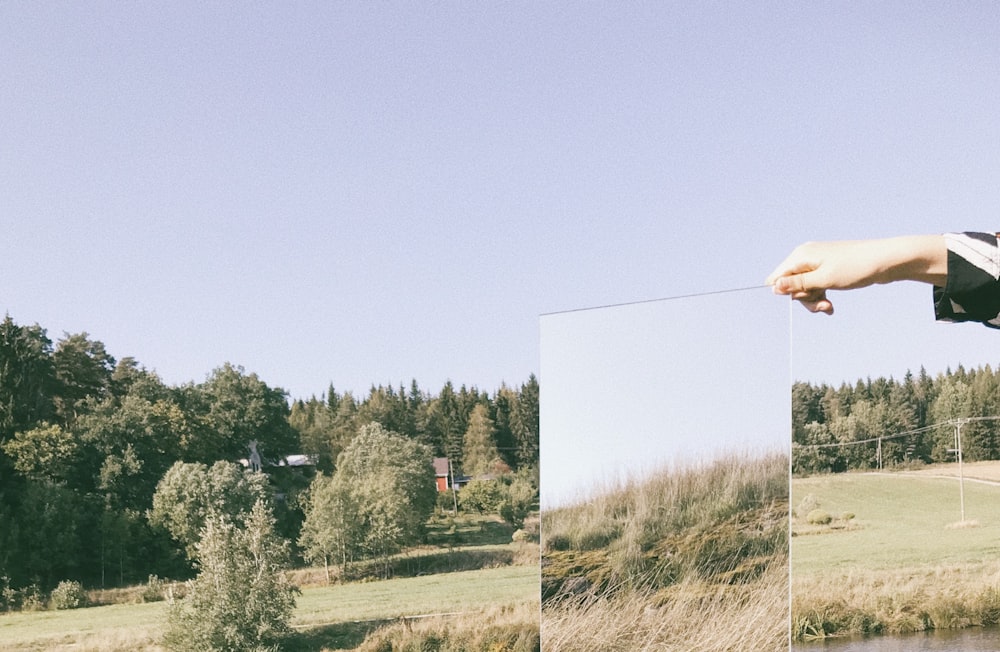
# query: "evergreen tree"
{"points": [[83, 371], [525, 423], [27, 377]]}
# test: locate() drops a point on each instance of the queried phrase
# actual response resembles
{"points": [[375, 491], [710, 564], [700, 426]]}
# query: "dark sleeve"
{"points": [[972, 292]]}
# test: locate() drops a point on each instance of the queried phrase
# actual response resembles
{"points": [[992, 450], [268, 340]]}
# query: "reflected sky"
{"points": [[627, 390], [884, 331]]}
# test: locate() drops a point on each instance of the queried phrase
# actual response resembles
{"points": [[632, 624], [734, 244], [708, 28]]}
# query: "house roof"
{"points": [[441, 466]]}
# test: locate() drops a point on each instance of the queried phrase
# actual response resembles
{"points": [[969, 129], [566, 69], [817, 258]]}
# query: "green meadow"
{"points": [[326, 618], [905, 561]]}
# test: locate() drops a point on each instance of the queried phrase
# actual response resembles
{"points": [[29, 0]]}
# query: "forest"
{"points": [[85, 441], [907, 422]]}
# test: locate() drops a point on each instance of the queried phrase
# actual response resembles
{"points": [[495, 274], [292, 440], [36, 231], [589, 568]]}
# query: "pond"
{"points": [[973, 639]]}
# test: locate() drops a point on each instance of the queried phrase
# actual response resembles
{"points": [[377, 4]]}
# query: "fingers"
{"points": [[794, 283], [822, 305], [799, 288]]}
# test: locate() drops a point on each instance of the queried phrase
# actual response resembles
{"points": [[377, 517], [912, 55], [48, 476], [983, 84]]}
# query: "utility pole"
{"points": [[958, 451], [454, 490]]}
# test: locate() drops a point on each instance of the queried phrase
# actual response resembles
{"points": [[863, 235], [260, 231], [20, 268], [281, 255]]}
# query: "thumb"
{"points": [[796, 283]]}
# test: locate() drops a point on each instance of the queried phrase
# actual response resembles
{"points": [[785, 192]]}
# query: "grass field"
{"points": [[326, 618], [900, 522], [900, 564]]}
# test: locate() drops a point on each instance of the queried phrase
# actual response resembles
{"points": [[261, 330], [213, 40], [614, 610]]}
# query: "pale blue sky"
{"points": [[631, 390], [366, 193]]}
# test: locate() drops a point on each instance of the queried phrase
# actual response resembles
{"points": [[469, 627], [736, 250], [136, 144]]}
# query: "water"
{"points": [[973, 639]]}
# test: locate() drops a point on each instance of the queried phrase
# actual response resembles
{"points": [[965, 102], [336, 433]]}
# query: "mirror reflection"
{"points": [[896, 485], [664, 474]]}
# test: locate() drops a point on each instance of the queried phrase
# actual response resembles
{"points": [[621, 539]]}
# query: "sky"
{"points": [[368, 193], [632, 390]]}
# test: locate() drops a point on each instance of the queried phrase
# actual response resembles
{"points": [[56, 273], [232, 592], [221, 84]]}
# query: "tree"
{"points": [[378, 500], [332, 528], [520, 498], [47, 452], [190, 493], [954, 401], [50, 522], [236, 408], [314, 422], [479, 452], [504, 403], [83, 370], [27, 377], [241, 599], [524, 423]]}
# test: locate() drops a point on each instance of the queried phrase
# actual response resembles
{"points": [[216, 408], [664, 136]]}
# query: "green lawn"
{"points": [[412, 596], [325, 618], [900, 523], [54, 630]]}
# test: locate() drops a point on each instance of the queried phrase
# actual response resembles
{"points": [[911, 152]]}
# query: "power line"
{"points": [[907, 433]]}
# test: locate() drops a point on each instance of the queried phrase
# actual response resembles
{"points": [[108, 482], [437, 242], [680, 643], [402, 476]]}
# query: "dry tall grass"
{"points": [[507, 628], [749, 617], [695, 560], [896, 601]]}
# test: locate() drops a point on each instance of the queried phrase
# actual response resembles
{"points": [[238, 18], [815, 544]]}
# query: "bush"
{"points": [[819, 517], [519, 536], [9, 599], [32, 598], [847, 516], [241, 600], [445, 502], [808, 504], [483, 496], [517, 501], [155, 590], [69, 595]]}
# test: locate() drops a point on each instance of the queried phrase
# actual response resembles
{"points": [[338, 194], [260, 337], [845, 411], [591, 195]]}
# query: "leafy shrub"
{"points": [[847, 516], [9, 598], [32, 598], [69, 595], [155, 589], [483, 496], [517, 500], [519, 536], [819, 517]]}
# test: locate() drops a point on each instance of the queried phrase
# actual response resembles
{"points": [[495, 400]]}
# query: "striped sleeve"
{"points": [[972, 291]]}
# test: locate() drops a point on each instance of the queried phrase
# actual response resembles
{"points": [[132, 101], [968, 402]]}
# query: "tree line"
{"points": [[910, 416], [87, 442]]}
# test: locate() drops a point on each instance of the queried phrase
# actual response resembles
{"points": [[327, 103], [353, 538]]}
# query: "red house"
{"points": [[441, 473]]}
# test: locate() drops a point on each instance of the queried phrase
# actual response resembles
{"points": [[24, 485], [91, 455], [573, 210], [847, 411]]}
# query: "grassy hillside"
{"points": [[904, 562], [687, 560]]}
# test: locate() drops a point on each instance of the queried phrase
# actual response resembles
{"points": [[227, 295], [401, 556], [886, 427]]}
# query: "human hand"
{"points": [[816, 267]]}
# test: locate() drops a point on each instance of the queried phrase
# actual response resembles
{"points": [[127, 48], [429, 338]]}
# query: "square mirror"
{"points": [[664, 475]]}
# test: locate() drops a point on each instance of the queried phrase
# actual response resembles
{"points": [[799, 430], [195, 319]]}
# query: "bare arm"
{"points": [[815, 267]]}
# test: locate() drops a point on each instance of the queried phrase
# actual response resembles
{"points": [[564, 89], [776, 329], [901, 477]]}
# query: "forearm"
{"points": [[921, 258]]}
